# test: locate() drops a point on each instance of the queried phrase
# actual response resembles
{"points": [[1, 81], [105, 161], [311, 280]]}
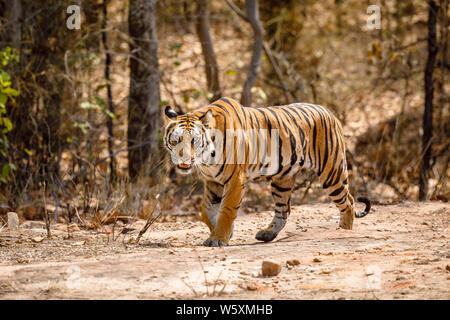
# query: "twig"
{"points": [[79, 218], [190, 287], [150, 220], [46, 217], [111, 211]]}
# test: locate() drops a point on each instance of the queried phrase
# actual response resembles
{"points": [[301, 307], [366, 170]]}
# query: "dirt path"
{"points": [[397, 252]]}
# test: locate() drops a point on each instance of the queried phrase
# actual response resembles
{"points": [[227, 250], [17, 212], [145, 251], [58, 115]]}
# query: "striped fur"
{"points": [[309, 137]]}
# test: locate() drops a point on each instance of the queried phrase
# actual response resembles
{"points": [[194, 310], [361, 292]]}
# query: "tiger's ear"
{"points": [[206, 119], [170, 113]]}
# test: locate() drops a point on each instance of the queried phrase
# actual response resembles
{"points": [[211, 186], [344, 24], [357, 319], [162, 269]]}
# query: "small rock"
{"points": [[270, 268], [37, 239], [293, 262], [13, 220], [447, 267], [252, 287], [317, 260]]}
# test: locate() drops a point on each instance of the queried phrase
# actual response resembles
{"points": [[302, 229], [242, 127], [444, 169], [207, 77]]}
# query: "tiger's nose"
{"points": [[185, 155]]}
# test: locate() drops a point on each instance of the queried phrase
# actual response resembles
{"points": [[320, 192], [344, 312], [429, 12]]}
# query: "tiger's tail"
{"points": [[366, 210]]}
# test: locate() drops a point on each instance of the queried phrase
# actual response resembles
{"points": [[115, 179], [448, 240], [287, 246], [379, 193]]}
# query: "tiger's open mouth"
{"points": [[184, 167]]}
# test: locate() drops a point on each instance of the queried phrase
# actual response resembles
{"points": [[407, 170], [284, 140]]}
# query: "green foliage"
{"points": [[6, 93], [97, 104]]}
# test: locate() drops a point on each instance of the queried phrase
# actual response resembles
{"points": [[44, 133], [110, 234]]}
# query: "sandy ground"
{"points": [[399, 251]]}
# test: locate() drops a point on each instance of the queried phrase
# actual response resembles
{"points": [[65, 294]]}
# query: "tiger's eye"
{"points": [[176, 140]]}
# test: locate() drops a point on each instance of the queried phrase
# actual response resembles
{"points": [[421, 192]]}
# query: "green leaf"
{"points": [[100, 87], [28, 152], [260, 91], [175, 46], [163, 103], [3, 99], [100, 101], [8, 125], [5, 172], [5, 76], [196, 94], [11, 92], [110, 114], [83, 126], [88, 105], [230, 72]]}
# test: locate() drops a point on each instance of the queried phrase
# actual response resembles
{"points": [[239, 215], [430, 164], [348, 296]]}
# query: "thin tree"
{"points": [[428, 112], [143, 107], [253, 16], [288, 94], [112, 161], [204, 36]]}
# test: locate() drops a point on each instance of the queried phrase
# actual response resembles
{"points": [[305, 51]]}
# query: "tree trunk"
{"points": [[112, 160], [253, 16], [143, 108], [211, 67], [428, 112], [11, 34]]}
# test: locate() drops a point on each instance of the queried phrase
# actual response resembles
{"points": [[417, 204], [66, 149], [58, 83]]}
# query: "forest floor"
{"points": [[399, 251]]}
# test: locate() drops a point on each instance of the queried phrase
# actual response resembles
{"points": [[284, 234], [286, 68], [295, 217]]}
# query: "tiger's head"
{"points": [[188, 139]]}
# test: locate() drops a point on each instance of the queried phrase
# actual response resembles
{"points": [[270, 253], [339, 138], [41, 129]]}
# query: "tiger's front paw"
{"points": [[265, 235], [210, 242]]}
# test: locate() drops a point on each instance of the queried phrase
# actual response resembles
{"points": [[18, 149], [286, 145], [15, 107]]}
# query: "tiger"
{"points": [[302, 135]]}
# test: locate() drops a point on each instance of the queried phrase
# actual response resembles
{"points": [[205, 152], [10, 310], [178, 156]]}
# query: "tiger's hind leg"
{"points": [[281, 193], [335, 184]]}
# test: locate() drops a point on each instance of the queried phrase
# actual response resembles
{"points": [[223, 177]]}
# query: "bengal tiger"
{"points": [[302, 135]]}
